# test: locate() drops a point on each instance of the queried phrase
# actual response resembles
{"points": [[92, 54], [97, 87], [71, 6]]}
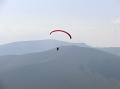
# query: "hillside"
{"points": [[71, 67], [112, 50]]}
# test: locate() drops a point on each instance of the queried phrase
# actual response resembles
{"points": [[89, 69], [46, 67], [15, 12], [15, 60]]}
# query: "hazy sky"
{"points": [[94, 22]]}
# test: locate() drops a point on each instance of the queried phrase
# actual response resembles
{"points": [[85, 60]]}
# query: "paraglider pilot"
{"points": [[57, 48]]}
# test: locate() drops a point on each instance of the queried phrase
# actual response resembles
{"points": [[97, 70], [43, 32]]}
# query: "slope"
{"points": [[112, 50], [71, 67]]}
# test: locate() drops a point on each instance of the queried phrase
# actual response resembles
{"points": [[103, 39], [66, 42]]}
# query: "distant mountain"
{"points": [[23, 47], [113, 50], [71, 67]]}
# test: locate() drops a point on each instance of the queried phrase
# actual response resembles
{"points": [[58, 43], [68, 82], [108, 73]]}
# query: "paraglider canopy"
{"points": [[61, 31]]}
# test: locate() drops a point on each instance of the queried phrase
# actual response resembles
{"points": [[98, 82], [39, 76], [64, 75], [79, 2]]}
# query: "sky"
{"points": [[94, 22]]}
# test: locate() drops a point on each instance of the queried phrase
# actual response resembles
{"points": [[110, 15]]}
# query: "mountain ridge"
{"points": [[23, 47], [32, 46]]}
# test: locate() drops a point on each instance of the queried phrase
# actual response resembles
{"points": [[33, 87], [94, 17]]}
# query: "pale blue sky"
{"points": [[94, 22]]}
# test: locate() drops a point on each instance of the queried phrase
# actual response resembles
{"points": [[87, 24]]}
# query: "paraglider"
{"points": [[61, 31]]}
